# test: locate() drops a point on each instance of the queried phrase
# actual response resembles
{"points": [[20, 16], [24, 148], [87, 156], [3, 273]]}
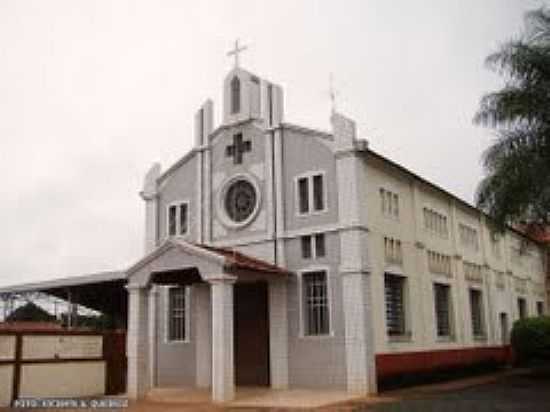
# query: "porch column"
{"points": [[152, 335], [201, 296], [137, 342], [278, 333], [223, 367]]}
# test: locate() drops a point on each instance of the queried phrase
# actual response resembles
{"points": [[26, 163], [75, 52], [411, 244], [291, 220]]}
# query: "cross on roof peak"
{"points": [[235, 52]]}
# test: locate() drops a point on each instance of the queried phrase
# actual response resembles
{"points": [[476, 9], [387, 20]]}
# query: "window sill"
{"points": [[177, 342], [405, 338], [312, 213], [445, 339], [317, 337]]}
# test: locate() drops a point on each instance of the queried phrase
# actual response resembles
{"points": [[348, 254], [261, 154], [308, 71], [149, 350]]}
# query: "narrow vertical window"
{"points": [[316, 305], [235, 95], [540, 308], [172, 220], [177, 314], [183, 219], [522, 308], [306, 247], [303, 195], [318, 193], [395, 304], [442, 300], [476, 306], [320, 249]]}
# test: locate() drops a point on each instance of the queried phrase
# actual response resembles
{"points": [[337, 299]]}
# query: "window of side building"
{"points": [[540, 308], [443, 310], [522, 308], [476, 310], [389, 203], [395, 295]]}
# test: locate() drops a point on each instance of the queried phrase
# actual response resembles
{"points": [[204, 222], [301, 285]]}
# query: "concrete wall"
{"points": [[7, 352], [63, 379], [6, 380], [179, 186], [302, 153]]}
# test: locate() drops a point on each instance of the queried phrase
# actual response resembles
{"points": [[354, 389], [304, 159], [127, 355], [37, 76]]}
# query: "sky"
{"points": [[92, 93]]}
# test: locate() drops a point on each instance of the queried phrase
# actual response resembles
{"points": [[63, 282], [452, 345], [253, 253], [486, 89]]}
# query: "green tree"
{"points": [[516, 186]]}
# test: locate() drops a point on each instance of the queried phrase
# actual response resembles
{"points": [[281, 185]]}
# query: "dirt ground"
{"points": [[523, 390]]}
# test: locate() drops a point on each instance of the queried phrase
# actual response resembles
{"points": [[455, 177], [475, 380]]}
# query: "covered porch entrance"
{"points": [[236, 320]]}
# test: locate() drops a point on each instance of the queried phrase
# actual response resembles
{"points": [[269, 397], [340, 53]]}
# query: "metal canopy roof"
{"points": [[102, 291]]}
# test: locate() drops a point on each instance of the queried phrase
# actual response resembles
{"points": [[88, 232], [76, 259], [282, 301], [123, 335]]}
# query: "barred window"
{"points": [[316, 309], [476, 306], [177, 330], [395, 304], [442, 300]]}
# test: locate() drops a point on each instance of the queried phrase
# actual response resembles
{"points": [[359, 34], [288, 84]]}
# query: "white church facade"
{"points": [[282, 256]]}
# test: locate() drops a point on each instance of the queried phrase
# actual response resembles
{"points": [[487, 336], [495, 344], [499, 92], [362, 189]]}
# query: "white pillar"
{"points": [[137, 342], [359, 333], [355, 268], [201, 299], [223, 368], [152, 335], [278, 333]]}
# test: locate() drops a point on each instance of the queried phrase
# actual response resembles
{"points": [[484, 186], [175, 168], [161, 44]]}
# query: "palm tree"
{"points": [[516, 186]]}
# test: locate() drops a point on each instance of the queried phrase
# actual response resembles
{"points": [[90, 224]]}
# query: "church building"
{"points": [[277, 255]]}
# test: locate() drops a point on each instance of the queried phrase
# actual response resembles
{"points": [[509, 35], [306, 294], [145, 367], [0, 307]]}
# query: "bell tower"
{"points": [[247, 97]]}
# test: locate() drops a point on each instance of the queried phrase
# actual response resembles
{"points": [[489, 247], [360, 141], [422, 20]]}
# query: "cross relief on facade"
{"points": [[238, 148]]}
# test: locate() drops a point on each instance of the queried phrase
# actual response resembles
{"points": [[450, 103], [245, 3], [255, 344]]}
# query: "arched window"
{"points": [[235, 95]]}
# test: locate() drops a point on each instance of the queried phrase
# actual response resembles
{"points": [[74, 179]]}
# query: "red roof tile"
{"points": [[241, 261]]}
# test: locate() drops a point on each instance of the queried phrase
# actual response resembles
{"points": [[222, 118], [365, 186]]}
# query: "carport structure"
{"points": [[103, 292]]}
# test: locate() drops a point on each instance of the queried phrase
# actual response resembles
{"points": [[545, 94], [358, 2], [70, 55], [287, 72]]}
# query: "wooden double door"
{"points": [[251, 334]]}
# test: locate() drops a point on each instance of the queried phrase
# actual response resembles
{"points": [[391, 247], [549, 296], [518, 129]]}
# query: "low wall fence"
{"points": [[61, 364]]}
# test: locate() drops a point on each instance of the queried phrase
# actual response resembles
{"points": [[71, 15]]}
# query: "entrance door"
{"points": [[251, 334]]}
